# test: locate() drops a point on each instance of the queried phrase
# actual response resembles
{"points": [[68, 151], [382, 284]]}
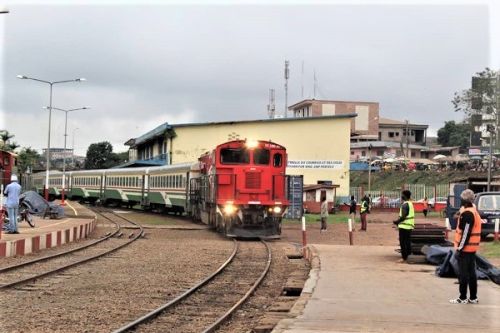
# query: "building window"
{"points": [[352, 152], [397, 133], [380, 152], [413, 154], [391, 134], [363, 153]]}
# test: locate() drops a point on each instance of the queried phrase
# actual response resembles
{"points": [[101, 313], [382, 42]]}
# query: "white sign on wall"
{"points": [[315, 164]]}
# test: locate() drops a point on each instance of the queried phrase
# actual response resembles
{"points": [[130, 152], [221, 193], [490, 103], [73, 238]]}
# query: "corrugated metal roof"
{"points": [[160, 130]]}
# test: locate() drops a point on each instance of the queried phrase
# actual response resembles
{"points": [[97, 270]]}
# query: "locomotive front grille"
{"points": [[252, 180]]}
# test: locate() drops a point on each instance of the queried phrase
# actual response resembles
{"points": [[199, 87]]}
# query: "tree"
{"points": [[453, 134], [27, 159], [122, 157], [100, 156], [485, 90], [481, 100], [5, 136]]}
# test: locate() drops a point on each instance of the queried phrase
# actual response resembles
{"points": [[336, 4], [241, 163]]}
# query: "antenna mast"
{"points": [[271, 107], [287, 75], [315, 84], [302, 81]]}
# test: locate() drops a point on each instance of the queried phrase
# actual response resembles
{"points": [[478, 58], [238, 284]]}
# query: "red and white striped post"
{"points": [[304, 237], [497, 222], [448, 227], [349, 223]]}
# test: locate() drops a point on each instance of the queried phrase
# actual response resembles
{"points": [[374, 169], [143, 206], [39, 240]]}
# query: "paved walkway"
{"points": [[362, 289], [47, 233]]}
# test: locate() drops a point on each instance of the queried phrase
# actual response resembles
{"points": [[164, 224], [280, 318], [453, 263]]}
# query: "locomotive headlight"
{"points": [[252, 143], [229, 209], [277, 209]]}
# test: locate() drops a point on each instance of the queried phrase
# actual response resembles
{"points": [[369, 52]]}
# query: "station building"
{"points": [[317, 147]]}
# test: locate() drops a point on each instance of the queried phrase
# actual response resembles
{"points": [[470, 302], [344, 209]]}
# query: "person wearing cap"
{"points": [[466, 243], [12, 191]]}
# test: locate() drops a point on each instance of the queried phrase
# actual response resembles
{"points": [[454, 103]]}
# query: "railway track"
{"points": [[30, 271], [207, 305]]}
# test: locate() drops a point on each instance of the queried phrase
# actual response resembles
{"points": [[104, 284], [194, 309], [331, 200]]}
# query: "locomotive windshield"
{"points": [[234, 156], [261, 156]]}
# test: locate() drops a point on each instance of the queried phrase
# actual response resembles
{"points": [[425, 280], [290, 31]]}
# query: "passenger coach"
{"points": [[240, 188]]}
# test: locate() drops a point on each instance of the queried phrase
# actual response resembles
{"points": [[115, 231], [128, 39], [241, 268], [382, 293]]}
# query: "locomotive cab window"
{"points": [[234, 156], [261, 156], [277, 160]]}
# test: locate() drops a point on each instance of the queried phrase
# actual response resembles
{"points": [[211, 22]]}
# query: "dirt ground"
{"points": [[380, 231]]}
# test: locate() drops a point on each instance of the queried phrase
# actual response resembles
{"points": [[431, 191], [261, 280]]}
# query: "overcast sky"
{"points": [[146, 65]]}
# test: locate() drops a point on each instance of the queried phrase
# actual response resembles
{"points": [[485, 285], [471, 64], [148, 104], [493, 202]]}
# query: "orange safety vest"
{"points": [[475, 236]]}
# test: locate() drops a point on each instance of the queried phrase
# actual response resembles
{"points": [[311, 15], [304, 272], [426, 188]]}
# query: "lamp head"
{"points": [[22, 77], [81, 79]]}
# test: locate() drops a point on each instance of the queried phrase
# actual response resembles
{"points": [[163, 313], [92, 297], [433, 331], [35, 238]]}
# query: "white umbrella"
{"points": [[390, 160], [439, 157]]}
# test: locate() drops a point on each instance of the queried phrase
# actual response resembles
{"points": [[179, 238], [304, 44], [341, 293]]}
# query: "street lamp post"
{"points": [[50, 83], [491, 130], [64, 154]]}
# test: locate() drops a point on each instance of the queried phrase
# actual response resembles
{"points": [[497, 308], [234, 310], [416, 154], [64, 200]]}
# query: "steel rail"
{"points": [[228, 314], [62, 268], [179, 298], [38, 260]]}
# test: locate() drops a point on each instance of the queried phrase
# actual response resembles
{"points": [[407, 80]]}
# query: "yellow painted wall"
{"points": [[305, 139]]}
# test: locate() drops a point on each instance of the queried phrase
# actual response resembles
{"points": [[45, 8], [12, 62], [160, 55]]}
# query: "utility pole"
{"points": [[491, 129], [302, 82], [407, 140], [315, 84], [369, 168], [271, 107], [287, 76]]}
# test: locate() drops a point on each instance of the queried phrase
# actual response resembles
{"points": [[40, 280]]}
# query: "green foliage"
{"points": [[462, 101], [453, 134], [27, 158], [5, 143], [122, 157], [490, 249], [100, 156]]}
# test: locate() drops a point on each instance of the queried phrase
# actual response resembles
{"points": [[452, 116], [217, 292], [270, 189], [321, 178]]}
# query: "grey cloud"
{"points": [[201, 63]]}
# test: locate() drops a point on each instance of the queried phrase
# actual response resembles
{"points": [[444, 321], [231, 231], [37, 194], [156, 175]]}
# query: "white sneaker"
{"points": [[459, 301]]}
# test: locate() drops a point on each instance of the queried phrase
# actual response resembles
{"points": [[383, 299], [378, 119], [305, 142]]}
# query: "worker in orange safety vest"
{"points": [[467, 239]]}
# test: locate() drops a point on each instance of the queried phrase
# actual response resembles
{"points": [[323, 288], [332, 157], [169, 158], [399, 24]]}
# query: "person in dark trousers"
{"points": [[466, 243], [324, 214], [426, 206], [405, 223], [364, 210], [352, 209]]}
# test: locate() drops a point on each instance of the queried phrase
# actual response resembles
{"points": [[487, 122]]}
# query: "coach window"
{"points": [[234, 156], [277, 160], [261, 156]]}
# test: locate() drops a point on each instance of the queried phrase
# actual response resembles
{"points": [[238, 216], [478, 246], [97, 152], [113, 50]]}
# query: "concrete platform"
{"points": [[46, 234], [362, 289]]}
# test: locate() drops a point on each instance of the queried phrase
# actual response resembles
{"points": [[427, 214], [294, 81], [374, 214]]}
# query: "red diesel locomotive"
{"points": [[241, 189]]}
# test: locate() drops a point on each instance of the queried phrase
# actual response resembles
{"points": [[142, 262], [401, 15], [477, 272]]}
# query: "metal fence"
{"points": [[392, 199]]}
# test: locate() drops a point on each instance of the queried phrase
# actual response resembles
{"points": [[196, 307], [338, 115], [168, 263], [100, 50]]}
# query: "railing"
{"points": [[392, 199]]}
